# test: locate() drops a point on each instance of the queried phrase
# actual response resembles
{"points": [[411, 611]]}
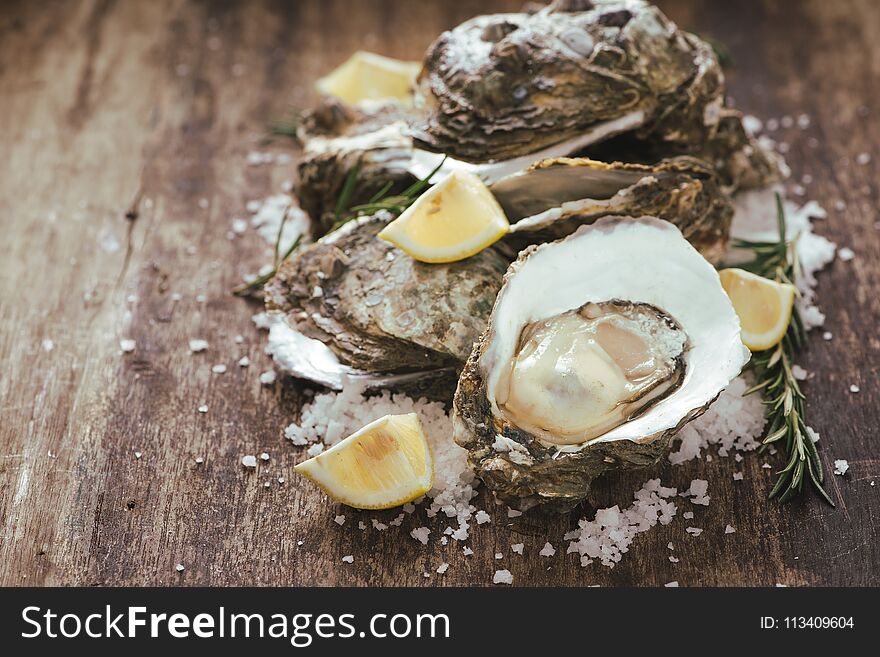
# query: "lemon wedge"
{"points": [[368, 76], [385, 464], [453, 220], [764, 306]]}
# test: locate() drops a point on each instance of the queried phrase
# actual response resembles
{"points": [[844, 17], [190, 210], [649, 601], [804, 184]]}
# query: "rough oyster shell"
{"points": [[378, 310], [337, 138], [506, 85], [644, 261], [553, 198]]}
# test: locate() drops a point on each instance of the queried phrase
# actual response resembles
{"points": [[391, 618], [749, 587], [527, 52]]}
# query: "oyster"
{"points": [[600, 347], [357, 305], [337, 138], [553, 198]]}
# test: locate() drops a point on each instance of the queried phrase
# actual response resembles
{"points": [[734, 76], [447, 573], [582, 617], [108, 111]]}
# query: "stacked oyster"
{"points": [[601, 129]]}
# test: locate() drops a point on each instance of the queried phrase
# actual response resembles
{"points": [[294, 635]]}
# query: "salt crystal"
{"points": [[673, 559], [814, 435], [199, 460], [548, 550], [264, 456], [362, 525], [203, 408], [244, 361], [267, 378], [854, 388], [315, 449], [421, 534], [348, 558], [517, 547], [482, 517], [502, 577], [766, 466], [737, 476], [176, 296], [137, 455], [688, 515], [671, 585], [863, 158], [268, 484], [238, 339], [280, 480], [249, 461], [498, 555], [827, 336], [218, 369], [180, 567], [339, 520], [239, 226], [127, 345], [467, 551], [379, 526], [442, 568], [409, 507], [48, 345], [846, 254], [729, 530], [841, 466], [694, 531], [799, 372], [198, 345], [670, 545]]}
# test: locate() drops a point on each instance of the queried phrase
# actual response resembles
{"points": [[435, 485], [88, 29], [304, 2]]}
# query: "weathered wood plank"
{"points": [[110, 107]]}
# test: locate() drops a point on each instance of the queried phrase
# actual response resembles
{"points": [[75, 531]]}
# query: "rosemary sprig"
{"points": [[395, 204], [775, 380], [258, 283]]}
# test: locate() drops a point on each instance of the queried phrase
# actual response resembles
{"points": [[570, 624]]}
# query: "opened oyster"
{"points": [[356, 305], [600, 347], [552, 198]]}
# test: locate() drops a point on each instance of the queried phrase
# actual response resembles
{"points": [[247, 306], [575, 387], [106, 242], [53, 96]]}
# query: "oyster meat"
{"points": [[379, 311], [600, 347]]}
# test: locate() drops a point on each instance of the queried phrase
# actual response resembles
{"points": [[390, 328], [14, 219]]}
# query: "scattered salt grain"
{"points": [[766, 466], [180, 567], [198, 345], [176, 296], [846, 254], [420, 534], [267, 378], [673, 559], [348, 558], [127, 345], [280, 480], [264, 456], [813, 434], [729, 529], [693, 531], [268, 484], [688, 515], [238, 339], [244, 361], [362, 525], [841, 466], [737, 476], [517, 547], [203, 408], [863, 158], [827, 336], [799, 372], [48, 345], [548, 550], [339, 520], [467, 551], [379, 526], [502, 577], [249, 461], [670, 545], [138, 455], [854, 388], [239, 226], [219, 369], [199, 460], [697, 492], [482, 517], [409, 507], [671, 585], [442, 568], [498, 555], [315, 449]]}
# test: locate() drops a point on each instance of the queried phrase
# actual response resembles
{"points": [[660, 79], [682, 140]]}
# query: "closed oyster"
{"points": [[337, 138], [378, 311], [600, 347], [552, 198]]}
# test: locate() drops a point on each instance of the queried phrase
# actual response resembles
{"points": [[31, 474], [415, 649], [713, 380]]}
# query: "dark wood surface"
{"points": [[145, 108]]}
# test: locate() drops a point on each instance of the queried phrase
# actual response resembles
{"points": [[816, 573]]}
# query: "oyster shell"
{"points": [[507, 85], [553, 198], [377, 310], [337, 138], [614, 264]]}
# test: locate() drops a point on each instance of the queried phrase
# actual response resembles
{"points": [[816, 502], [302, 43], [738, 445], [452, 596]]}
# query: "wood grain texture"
{"points": [[120, 117]]}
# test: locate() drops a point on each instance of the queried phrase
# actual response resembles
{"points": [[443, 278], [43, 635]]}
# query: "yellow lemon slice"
{"points": [[383, 465], [367, 76], [764, 306], [453, 220]]}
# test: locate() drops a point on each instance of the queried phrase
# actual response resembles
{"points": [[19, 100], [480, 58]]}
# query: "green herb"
{"points": [[773, 369], [258, 283], [394, 204], [287, 126]]}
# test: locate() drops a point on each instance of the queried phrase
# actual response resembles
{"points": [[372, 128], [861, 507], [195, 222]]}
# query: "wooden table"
{"points": [[125, 130]]}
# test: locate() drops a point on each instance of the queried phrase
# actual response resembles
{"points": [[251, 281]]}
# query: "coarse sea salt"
{"points": [[841, 466], [502, 577], [198, 345]]}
